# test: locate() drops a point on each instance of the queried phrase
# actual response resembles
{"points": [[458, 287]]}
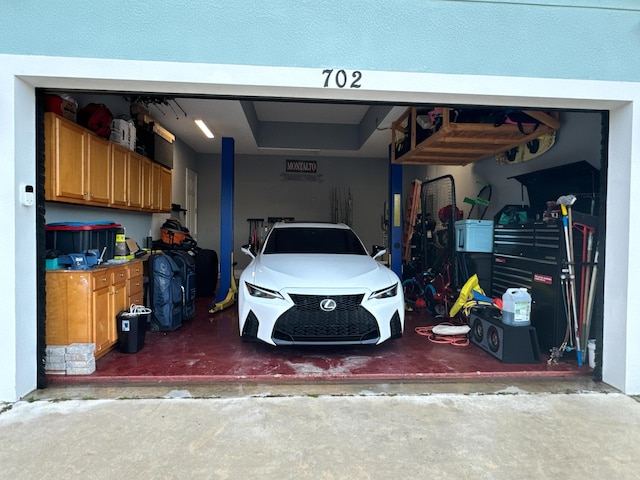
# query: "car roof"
{"points": [[310, 225]]}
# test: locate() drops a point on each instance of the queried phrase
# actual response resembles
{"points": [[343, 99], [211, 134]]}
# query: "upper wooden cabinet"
{"points": [[120, 176], [82, 168], [65, 160], [134, 180], [165, 190]]}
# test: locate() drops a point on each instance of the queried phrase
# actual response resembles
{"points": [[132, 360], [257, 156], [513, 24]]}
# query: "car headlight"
{"points": [[388, 292], [260, 292]]}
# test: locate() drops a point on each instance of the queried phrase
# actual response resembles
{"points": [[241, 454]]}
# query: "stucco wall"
{"points": [[544, 38]]}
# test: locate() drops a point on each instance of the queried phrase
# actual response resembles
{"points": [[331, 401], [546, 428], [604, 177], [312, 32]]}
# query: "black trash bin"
{"points": [[131, 331]]}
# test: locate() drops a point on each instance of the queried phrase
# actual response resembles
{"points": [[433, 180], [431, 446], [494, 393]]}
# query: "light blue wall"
{"points": [[581, 39]]}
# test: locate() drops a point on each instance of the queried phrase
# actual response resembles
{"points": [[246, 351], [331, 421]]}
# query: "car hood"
{"points": [[280, 271]]}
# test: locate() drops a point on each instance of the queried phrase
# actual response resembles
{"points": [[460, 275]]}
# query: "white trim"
{"points": [[621, 98]]}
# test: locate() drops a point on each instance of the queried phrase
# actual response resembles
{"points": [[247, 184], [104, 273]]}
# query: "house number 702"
{"points": [[340, 78]]}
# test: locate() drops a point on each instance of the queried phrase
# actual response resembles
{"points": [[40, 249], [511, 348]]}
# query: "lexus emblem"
{"points": [[328, 305]]}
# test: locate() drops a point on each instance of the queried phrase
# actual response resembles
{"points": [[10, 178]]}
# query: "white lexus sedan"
{"points": [[315, 284]]}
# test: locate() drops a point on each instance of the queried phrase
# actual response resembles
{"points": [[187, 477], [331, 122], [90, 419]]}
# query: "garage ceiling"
{"points": [[267, 127]]}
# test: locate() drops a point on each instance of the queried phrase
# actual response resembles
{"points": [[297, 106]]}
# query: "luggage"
{"points": [[206, 272], [187, 268], [165, 293]]}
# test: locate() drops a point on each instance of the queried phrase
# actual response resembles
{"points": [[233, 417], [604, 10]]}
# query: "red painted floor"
{"points": [[208, 348]]}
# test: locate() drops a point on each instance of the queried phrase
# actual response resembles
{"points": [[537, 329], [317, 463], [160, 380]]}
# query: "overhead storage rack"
{"points": [[461, 143]]}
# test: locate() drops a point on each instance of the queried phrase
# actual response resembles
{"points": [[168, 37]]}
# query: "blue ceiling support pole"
{"points": [[395, 217], [226, 217]]}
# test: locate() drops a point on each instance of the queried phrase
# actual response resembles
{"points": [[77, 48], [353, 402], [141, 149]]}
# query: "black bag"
{"points": [[206, 272], [187, 270], [165, 293]]}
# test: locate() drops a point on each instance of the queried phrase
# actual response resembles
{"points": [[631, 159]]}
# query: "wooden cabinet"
{"points": [[135, 283], [64, 160], [134, 180], [165, 190], [98, 170], [82, 306], [77, 163], [120, 176], [82, 168], [147, 184]]}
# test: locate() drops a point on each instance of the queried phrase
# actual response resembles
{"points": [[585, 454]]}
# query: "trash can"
{"points": [[131, 331]]}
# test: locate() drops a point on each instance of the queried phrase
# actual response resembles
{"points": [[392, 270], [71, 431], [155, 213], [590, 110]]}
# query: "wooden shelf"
{"points": [[463, 143]]}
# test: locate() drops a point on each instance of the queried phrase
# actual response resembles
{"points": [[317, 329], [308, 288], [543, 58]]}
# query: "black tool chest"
{"points": [[532, 255]]}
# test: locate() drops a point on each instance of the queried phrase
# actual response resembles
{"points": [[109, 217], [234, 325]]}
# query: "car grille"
{"points": [[305, 322]]}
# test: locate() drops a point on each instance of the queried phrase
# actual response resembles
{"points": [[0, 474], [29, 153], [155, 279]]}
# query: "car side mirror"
{"points": [[378, 250], [246, 249]]}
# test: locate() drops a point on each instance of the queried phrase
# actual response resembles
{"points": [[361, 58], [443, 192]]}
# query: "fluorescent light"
{"points": [[204, 128]]}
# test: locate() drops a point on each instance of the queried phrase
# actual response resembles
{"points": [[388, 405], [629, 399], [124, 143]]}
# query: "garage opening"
{"points": [[345, 150]]}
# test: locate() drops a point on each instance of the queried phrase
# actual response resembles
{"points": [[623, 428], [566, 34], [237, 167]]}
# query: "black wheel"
{"points": [[434, 307], [154, 327], [206, 272], [412, 291]]}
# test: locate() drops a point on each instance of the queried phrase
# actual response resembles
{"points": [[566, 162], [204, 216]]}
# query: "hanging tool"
{"points": [[565, 203]]}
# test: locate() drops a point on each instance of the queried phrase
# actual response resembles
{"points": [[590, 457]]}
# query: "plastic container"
{"points": [[79, 237], [131, 331], [474, 236], [591, 352], [516, 307]]}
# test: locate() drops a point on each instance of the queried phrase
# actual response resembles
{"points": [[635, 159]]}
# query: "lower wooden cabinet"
{"points": [[82, 306], [135, 283]]}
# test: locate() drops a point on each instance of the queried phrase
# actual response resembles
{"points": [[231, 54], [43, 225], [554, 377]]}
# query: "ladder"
{"points": [[413, 204]]}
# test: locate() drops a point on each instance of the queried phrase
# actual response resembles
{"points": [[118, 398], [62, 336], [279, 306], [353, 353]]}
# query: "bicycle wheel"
{"points": [[412, 291]]}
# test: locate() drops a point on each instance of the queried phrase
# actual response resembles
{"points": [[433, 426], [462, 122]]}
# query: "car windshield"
{"points": [[314, 240]]}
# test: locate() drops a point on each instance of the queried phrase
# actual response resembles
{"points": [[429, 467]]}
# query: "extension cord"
{"points": [[451, 329]]}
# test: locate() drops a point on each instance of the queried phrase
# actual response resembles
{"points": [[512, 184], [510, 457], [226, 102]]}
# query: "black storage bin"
{"points": [[80, 237], [132, 328]]}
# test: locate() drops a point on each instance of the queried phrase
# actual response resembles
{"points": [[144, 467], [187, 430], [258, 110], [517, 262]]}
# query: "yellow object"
{"points": [[466, 294], [232, 294], [563, 208]]}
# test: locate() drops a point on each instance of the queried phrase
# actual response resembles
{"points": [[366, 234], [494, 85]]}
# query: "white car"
{"points": [[315, 284]]}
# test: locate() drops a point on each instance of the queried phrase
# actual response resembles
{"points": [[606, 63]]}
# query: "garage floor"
{"points": [[208, 348]]}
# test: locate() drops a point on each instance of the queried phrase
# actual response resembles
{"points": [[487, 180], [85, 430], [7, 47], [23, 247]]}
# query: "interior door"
{"points": [[191, 216]]}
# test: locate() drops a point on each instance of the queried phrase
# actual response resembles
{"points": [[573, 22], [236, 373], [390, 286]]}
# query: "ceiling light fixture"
{"points": [[204, 128]]}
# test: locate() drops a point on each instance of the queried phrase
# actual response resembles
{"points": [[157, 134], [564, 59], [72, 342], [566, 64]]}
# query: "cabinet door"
{"points": [[156, 187], [165, 190], [147, 184], [103, 335], [65, 160], [119, 175], [134, 179], [98, 169]]}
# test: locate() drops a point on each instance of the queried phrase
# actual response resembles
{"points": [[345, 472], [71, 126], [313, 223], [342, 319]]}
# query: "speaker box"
{"points": [[507, 343]]}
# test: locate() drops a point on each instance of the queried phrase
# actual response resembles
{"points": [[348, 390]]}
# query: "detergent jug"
{"points": [[516, 307]]}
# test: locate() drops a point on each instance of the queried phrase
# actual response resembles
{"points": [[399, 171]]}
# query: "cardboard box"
{"points": [[474, 236]]}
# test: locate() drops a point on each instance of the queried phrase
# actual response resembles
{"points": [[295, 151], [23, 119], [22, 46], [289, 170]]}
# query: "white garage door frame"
{"points": [[21, 75]]}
